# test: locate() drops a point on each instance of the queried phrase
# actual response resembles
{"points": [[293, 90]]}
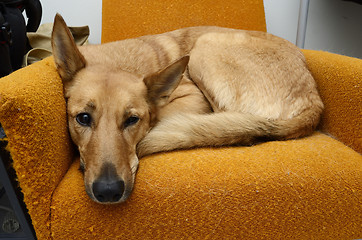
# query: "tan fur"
{"points": [[240, 87]]}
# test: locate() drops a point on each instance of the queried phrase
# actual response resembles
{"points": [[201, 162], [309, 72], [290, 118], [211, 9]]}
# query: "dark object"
{"points": [[355, 1], [15, 222], [2, 132], [13, 41]]}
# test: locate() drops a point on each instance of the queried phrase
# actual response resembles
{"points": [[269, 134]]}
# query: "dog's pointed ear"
{"points": [[67, 56], [161, 84]]}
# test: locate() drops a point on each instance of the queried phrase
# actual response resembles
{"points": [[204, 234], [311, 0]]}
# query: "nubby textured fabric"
{"points": [[309, 188], [128, 19]]}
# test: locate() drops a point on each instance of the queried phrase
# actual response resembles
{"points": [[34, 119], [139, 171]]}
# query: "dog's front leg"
{"points": [[162, 138]]}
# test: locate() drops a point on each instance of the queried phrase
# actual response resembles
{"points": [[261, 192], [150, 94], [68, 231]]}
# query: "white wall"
{"points": [[333, 25], [282, 18], [76, 13]]}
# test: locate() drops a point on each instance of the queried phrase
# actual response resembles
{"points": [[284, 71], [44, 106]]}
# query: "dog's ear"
{"points": [[161, 84], [67, 56]]}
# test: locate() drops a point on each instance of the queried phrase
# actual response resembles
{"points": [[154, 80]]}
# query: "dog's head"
{"points": [[109, 112]]}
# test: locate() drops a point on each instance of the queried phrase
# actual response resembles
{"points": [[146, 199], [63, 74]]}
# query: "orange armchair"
{"points": [[308, 188]]}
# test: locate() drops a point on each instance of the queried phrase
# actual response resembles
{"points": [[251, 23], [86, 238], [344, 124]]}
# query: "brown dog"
{"points": [[193, 87]]}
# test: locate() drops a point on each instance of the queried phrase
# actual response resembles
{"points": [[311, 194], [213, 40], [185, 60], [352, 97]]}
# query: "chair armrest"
{"points": [[33, 115], [339, 80]]}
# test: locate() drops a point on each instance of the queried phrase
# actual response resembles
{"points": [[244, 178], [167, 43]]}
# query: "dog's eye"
{"points": [[131, 121], [84, 119]]}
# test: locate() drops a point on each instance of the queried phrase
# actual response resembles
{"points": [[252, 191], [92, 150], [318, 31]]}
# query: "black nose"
{"points": [[108, 191], [108, 187]]}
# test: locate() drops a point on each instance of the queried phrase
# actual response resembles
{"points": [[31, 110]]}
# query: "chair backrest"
{"points": [[133, 18]]}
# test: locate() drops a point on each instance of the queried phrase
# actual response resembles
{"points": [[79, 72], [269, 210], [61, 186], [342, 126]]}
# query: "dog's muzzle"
{"points": [[108, 187]]}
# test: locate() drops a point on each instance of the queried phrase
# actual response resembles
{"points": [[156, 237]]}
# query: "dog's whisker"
{"points": [[134, 170]]}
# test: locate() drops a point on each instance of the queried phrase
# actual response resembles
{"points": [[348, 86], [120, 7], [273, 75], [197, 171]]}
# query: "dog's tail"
{"points": [[224, 128]]}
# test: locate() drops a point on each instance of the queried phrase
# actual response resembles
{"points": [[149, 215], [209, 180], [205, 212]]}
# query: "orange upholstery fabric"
{"points": [[339, 81], [301, 189], [134, 18], [32, 113], [308, 188]]}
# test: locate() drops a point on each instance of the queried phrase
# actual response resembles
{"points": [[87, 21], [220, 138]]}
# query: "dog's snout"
{"points": [[108, 191], [108, 187]]}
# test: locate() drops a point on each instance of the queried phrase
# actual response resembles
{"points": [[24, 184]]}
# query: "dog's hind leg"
{"points": [[198, 82]]}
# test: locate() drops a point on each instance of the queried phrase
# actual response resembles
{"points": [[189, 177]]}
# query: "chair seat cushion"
{"points": [[306, 188]]}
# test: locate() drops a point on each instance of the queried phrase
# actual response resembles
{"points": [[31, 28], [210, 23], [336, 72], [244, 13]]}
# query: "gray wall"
{"points": [[333, 25]]}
